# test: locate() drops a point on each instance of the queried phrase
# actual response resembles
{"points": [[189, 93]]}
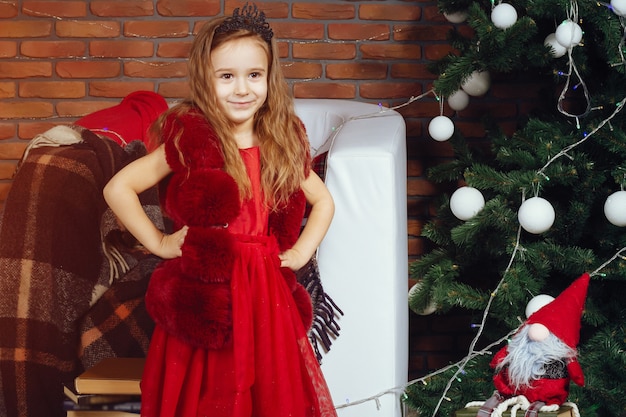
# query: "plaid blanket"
{"points": [[72, 283]]}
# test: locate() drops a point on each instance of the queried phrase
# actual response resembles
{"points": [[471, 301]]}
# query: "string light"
{"points": [[621, 254], [564, 151], [382, 112], [518, 249]]}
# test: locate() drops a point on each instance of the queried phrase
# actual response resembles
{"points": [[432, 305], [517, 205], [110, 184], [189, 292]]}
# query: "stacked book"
{"points": [[108, 389]]}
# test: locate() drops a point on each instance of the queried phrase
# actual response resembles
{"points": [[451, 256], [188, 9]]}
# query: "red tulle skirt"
{"points": [[269, 371]]}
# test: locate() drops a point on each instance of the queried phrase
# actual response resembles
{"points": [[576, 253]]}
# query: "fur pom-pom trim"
{"points": [[290, 277], [208, 254], [198, 142], [208, 197], [287, 221], [199, 314], [300, 295], [304, 304]]}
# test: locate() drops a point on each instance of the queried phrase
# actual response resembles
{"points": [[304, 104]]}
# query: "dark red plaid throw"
{"points": [[63, 306]]}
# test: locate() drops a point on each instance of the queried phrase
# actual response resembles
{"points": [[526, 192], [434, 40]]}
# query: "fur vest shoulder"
{"points": [[190, 296]]}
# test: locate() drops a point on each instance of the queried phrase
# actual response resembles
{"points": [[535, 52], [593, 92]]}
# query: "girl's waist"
{"points": [[263, 240]]}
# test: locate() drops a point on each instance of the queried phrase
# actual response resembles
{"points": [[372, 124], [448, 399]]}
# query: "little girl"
{"points": [[231, 320]]}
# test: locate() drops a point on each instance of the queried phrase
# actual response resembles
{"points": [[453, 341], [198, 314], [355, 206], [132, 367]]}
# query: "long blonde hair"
{"points": [[285, 159]]}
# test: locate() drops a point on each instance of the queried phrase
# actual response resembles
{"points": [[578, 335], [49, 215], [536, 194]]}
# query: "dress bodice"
{"points": [[252, 219]]}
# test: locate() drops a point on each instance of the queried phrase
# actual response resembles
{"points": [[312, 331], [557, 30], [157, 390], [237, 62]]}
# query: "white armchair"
{"points": [[363, 259]]}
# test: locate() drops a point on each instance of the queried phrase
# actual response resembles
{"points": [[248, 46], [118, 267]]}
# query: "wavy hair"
{"points": [[285, 158]]}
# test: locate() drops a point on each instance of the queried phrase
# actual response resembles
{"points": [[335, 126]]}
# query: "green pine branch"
{"points": [[489, 265]]}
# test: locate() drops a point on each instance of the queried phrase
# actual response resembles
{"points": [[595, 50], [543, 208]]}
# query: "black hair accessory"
{"points": [[248, 18]]}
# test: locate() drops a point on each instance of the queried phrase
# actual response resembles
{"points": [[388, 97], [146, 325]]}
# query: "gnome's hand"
{"points": [[575, 372]]}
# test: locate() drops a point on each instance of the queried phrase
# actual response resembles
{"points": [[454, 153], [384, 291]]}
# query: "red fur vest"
{"points": [[190, 296]]}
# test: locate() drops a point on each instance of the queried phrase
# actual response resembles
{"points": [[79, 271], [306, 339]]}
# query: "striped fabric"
{"points": [[64, 305]]}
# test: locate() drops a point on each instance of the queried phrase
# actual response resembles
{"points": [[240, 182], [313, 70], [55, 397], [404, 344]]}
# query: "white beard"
{"points": [[526, 359]]}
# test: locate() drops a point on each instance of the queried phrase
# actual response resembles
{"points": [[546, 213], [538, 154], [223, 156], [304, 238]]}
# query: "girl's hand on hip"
{"points": [[292, 259], [170, 245]]}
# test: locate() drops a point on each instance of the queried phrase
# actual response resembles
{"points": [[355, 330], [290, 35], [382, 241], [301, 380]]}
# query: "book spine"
{"points": [[130, 406]]}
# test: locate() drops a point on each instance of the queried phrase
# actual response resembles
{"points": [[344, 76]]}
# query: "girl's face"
{"points": [[239, 74]]}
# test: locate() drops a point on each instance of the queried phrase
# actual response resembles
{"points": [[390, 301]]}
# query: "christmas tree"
{"points": [[540, 206]]}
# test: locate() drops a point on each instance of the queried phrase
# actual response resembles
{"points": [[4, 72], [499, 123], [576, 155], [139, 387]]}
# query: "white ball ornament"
{"points": [[477, 84], [615, 208], [503, 16], [441, 128], [456, 17], [536, 303], [536, 215], [430, 308], [558, 50], [458, 100], [619, 7], [568, 34], [466, 202]]}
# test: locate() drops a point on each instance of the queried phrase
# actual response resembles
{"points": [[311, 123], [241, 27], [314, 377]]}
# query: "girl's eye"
{"points": [[255, 75], [227, 76]]}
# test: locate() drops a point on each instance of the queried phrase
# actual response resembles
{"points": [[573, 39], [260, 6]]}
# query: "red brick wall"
{"points": [[62, 59]]}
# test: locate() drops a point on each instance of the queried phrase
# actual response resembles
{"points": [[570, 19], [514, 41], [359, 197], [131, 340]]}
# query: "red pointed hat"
{"points": [[562, 315], [129, 120]]}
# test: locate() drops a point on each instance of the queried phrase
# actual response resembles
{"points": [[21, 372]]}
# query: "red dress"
{"points": [[270, 369]]}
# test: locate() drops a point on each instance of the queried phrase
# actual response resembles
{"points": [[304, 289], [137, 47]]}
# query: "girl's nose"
{"points": [[241, 86]]}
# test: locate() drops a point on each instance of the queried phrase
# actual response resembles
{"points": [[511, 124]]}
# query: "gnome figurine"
{"points": [[540, 359]]}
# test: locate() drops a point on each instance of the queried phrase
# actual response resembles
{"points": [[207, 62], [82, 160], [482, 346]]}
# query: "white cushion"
{"points": [[363, 259]]}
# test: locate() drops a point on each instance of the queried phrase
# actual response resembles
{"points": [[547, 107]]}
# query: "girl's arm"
{"points": [[122, 195], [322, 211]]}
